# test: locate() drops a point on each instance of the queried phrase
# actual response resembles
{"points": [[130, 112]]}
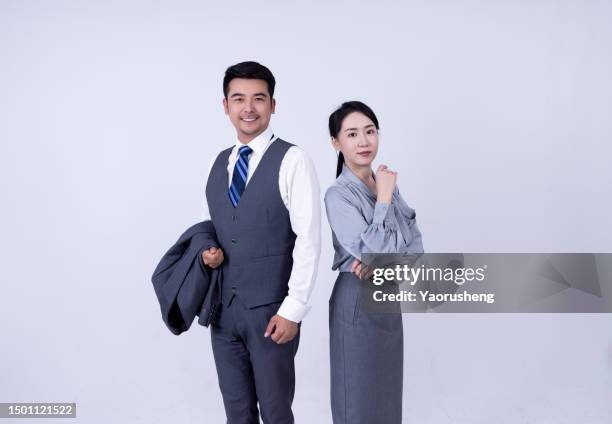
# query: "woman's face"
{"points": [[357, 140]]}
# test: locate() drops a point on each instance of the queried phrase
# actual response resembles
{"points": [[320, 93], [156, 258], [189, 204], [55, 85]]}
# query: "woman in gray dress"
{"points": [[367, 215]]}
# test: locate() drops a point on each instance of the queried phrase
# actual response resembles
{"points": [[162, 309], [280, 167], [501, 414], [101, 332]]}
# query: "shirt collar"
{"points": [[258, 144], [348, 175]]}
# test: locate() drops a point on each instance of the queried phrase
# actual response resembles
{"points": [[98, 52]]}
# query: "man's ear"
{"points": [[273, 104], [225, 106]]}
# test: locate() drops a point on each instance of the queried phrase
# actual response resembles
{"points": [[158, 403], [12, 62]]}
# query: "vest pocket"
{"points": [[269, 257], [266, 278]]}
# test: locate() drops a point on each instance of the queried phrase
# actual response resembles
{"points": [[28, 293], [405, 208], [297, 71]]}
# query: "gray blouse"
{"points": [[361, 225]]}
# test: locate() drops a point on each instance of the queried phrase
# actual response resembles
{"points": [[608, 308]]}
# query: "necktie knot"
{"points": [[245, 151]]}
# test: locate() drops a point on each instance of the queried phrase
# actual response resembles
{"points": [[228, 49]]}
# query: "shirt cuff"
{"points": [[293, 310], [380, 212]]}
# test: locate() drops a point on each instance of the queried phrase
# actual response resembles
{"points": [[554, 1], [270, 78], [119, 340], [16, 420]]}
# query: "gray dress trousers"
{"points": [[366, 349]]}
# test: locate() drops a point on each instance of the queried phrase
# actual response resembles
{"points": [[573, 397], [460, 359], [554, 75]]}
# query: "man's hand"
{"points": [[281, 329], [362, 271], [212, 257]]}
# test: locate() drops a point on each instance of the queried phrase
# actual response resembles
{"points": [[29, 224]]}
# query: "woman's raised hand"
{"points": [[385, 183]]}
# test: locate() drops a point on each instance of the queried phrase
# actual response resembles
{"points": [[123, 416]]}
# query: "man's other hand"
{"points": [[212, 257], [281, 329]]}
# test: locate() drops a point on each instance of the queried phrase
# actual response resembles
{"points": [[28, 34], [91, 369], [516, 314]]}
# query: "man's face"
{"points": [[249, 107]]}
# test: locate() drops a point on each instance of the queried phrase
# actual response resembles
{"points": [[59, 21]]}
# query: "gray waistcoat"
{"points": [[256, 236]]}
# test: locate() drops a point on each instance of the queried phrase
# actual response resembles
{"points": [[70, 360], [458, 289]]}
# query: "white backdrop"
{"points": [[495, 113]]}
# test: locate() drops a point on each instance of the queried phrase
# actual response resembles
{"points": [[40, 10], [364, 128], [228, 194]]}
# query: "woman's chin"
{"points": [[360, 161]]}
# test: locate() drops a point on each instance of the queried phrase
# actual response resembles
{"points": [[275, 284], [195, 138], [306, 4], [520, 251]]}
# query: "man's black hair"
{"points": [[249, 70]]}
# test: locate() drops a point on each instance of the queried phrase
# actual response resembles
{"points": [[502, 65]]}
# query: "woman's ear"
{"points": [[335, 143]]}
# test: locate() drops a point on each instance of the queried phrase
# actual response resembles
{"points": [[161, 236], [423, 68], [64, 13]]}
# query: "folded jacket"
{"points": [[184, 286]]}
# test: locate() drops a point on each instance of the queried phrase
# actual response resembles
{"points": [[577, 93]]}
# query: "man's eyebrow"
{"points": [[242, 95]]}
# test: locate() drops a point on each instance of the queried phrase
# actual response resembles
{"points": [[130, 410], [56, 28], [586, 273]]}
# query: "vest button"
{"points": [[233, 241]]}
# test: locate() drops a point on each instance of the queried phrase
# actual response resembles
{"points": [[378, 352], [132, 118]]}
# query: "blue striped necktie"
{"points": [[241, 171]]}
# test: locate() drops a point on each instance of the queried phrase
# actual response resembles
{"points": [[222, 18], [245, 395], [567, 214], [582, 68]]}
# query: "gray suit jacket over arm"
{"points": [[184, 286]]}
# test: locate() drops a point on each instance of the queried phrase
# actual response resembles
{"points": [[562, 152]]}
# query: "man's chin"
{"points": [[251, 132]]}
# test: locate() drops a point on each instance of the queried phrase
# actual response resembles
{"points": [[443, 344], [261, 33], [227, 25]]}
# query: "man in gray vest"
{"points": [[262, 196]]}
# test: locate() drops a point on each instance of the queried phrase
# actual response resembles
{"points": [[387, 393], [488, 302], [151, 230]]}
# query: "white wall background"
{"points": [[495, 113]]}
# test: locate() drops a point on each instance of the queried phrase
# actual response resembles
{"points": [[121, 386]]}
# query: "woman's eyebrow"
{"points": [[355, 129]]}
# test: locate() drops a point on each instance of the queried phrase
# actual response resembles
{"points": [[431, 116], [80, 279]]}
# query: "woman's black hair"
{"points": [[336, 118]]}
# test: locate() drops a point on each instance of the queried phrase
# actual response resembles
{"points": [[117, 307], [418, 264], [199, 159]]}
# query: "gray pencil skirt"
{"points": [[366, 359]]}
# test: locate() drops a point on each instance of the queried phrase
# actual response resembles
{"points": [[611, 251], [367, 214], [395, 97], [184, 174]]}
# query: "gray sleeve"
{"points": [[415, 243], [354, 233]]}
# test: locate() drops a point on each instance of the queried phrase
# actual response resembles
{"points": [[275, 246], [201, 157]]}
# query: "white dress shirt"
{"points": [[299, 189]]}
